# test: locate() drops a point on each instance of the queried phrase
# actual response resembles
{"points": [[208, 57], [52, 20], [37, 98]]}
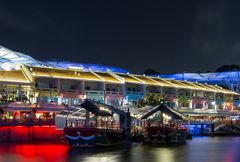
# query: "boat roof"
{"points": [[94, 107], [165, 109]]}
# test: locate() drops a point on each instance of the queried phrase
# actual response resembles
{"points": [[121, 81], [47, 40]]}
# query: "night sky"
{"points": [[168, 36]]}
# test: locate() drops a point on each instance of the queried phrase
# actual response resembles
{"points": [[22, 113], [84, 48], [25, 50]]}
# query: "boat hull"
{"points": [[93, 137], [160, 136]]}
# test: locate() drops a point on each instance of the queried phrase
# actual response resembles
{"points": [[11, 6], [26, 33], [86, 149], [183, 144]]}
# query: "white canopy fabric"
{"points": [[9, 59]]}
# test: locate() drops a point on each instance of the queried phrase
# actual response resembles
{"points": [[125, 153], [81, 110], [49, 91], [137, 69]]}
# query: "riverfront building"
{"points": [[26, 83]]}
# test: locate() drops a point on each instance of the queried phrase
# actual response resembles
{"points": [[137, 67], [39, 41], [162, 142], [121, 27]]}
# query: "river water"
{"points": [[200, 149]]}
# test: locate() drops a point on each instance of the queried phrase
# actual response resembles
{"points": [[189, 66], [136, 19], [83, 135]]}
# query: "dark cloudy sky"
{"points": [[168, 35]]}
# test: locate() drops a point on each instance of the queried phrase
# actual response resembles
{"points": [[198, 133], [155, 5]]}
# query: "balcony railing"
{"points": [[169, 96], [134, 93], [116, 93], [93, 92], [46, 89], [70, 91], [153, 92]]}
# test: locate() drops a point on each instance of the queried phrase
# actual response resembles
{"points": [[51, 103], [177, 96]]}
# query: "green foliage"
{"points": [[152, 99], [183, 100]]}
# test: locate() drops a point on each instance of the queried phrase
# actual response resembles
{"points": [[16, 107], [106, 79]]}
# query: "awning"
{"points": [[12, 109], [49, 110], [51, 104], [19, 106]]}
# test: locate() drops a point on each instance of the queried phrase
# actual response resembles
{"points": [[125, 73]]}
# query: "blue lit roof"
{"points": [[9, 59], [229, 80], [86, 67], [204, 77]]}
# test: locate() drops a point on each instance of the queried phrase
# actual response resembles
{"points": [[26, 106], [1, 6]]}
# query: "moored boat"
{"points": [[91, 124], [162, 125], [93, 137], [165, 135]]}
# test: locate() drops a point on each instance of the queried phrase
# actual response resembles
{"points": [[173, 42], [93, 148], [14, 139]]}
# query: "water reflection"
{"points": [[202, 149], [33, 152]]}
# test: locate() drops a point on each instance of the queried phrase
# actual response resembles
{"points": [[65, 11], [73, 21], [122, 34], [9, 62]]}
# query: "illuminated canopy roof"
{"points": [[161, 82], [146, 80], [130, 78], [13, 76], [229, 80], [86, 67], [10, 59], [204, 77], [63, 73], [108, 77]]}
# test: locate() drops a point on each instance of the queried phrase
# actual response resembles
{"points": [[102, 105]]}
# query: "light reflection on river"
{"points": [[200, 149]]}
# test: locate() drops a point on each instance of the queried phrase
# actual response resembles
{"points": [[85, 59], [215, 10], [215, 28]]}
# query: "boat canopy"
{"points": [[95, 108], [100, 109], [164, 109]]}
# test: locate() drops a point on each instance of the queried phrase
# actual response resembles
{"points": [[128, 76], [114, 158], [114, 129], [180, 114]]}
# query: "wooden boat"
{"points": [[165, 135], [161, 126], [92, 124]]}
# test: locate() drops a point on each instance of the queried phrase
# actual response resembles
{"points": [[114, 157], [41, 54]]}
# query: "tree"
{"points": [[151, 99], [232, 67], [150, 72]]}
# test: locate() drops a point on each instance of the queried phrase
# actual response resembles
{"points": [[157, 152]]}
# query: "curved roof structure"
{"points": [[10, 59], [86, 67], [13, 76], [230, 80], [204, 77]]}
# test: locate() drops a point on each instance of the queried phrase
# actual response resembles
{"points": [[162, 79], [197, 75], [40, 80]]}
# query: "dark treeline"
{"points": [[224, 68]]}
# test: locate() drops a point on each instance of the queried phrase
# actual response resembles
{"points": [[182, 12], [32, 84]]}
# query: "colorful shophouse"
{"points": [[34, 82]]}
